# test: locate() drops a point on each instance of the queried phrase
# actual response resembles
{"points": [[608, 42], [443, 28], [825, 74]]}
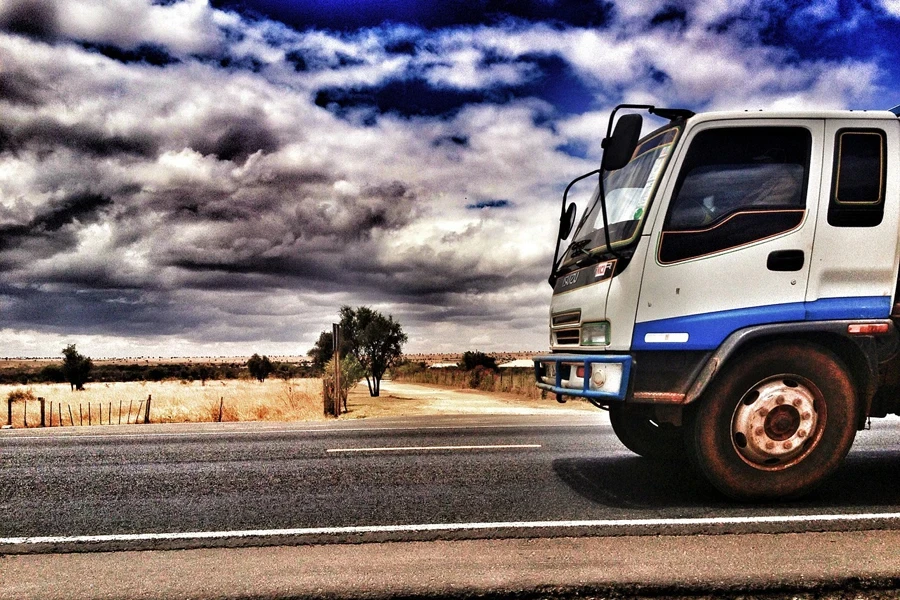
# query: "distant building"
{"points": [[522, 363]]}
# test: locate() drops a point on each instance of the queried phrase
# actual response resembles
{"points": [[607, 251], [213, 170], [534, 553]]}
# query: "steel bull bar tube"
{"points": [[597, 377]]}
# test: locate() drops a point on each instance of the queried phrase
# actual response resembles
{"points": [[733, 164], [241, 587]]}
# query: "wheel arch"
{"points": [[857, 353]]}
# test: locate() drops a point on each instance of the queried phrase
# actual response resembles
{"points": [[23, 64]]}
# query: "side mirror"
{"points": [[567, 221], [618, 148]]}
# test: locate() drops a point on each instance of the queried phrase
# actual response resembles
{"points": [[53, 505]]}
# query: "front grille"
{"points": [[567, 337], [567, 318]]}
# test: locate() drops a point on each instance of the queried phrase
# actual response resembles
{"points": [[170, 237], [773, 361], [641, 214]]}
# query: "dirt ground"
{"points": [[400, 399]]}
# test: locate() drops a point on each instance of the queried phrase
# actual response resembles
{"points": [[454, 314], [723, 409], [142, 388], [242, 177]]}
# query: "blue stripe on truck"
{"points": [[707, 331]]}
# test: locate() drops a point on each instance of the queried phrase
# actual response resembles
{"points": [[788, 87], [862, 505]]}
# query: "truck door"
{"points": [[853, 270], [732, 242]]}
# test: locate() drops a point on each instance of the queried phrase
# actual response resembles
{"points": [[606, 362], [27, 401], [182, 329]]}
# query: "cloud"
{"points": [[892, 7], [185, 176]]}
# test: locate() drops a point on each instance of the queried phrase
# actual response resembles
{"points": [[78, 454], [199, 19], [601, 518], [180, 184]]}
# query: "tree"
{"points": [[375, 340], [259, 367], [322, 352], [351, 374], [76, 367], [470, 360]]}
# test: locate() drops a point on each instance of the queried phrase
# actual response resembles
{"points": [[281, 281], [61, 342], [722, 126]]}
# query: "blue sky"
{"points": [[193, 178]]}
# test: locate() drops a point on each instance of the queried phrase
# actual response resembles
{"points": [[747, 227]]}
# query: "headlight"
{"points": [[595, 334]]}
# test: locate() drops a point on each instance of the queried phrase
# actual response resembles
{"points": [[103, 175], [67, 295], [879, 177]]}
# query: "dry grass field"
{"points": [[172, 402]]}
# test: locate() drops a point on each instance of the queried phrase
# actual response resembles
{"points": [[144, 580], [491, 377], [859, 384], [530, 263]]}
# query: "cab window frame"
{"points": [[856, 213], [751, 151]]}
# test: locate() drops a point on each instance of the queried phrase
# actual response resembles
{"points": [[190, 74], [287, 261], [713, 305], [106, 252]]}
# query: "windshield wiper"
{"points": [[576, 248]]}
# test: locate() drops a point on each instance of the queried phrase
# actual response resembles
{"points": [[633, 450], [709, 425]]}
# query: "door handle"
{"points": [[785, 260]]}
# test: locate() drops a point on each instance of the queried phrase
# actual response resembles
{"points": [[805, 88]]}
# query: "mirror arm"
{"points": [[612, 118], [602, 199], [557, 259]]}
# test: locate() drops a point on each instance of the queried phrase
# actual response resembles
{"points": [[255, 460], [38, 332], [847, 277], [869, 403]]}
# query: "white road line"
{"points": [[402, 448], [439, 527]]}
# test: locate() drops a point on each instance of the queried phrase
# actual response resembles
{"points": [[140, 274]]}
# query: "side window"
{"points": [[737, 185], [860, 171]]}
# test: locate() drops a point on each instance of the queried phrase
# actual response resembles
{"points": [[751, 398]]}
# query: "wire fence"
{"points": [[39, 412]]}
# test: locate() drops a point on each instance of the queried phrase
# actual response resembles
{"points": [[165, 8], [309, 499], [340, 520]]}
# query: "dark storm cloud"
{"points": [[20, 88], [150, 54], [235, 137], [120, 312], [81, 207], [299, 238], [46, 134], [36, 19], [84, 208]]}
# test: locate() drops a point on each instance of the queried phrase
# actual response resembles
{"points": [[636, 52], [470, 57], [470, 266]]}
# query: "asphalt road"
{"points": [[483, 506], [400, 479]]}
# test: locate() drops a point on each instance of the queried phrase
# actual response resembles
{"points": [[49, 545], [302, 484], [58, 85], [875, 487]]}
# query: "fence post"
{"points": [[221, 404], [43, 421], [120, 411], [9, 411], [336, 337], [147, 410]]}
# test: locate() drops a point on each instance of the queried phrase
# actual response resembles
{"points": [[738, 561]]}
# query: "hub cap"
{"points": [[775, 422]]}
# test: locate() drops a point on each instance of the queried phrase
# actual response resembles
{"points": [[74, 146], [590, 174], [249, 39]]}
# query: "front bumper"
{"points": [[592, 376]]}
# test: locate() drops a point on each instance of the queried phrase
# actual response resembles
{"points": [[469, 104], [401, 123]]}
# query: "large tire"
{"points": [[774, 424], [636, 428]]}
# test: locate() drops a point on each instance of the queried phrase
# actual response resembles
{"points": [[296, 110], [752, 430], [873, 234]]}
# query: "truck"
{"points": [[728, 292]]}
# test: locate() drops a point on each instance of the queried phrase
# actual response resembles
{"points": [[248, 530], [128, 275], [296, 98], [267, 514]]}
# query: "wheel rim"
{"points": [[778, 422]]}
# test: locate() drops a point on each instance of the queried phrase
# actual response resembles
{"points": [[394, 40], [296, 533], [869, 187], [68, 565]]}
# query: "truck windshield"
{"points": [[628, 193]]}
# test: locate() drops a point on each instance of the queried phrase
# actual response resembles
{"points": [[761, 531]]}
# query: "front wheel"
{"points": [[640, 432], [775, 423]]}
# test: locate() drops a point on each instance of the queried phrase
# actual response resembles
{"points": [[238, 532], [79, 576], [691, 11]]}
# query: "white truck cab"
{"points": [[728, 292]]}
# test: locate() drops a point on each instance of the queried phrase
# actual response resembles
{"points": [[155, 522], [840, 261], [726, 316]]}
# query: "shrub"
{"points": [[18, 395]]}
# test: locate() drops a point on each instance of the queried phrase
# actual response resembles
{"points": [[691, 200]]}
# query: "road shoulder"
{"points": [[558, 567]]}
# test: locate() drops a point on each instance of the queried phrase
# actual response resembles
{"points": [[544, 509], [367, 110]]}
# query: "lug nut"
{"points": [[805, 416], [759, 431], [779, 400], [801, 434], [797, 402], [787, 445], [770, 445], [763, 412]]}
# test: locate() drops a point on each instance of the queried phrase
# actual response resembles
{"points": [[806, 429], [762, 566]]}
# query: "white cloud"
{"points": [[892, 7], [183, 27]]}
